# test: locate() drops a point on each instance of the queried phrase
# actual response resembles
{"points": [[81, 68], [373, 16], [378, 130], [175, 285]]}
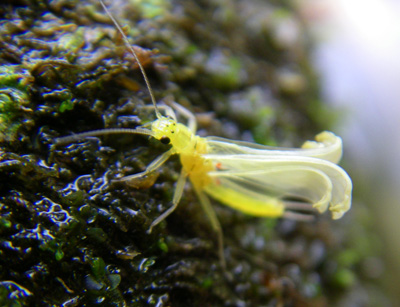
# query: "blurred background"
{"points": [[358, 58]]}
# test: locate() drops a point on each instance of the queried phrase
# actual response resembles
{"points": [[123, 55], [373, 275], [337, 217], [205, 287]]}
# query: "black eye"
{"points": [[165, 140]]}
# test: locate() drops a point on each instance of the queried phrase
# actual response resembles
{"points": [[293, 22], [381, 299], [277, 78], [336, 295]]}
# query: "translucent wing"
{"points": [[327, 146], [256, 180]]}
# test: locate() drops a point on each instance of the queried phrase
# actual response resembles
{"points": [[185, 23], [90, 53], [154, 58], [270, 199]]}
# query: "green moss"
{"points": [[64, 214], [152, 8], [14, 87], [98, 267], [344, 278], [207, 283], [262, 131], [71, 43], [15, 76], [66, 105], [163, 246], [115, 280], [59, 254], [225, 71], [191, 49], [97, 234], [348, 257], [13, 294], [55, 247], [5, 222]]}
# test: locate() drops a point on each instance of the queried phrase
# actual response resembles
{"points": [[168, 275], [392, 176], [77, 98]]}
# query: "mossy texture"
{"points": [[71, 236]]}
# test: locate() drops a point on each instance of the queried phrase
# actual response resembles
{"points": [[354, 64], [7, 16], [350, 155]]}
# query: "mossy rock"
{"points": [[71, 236]]}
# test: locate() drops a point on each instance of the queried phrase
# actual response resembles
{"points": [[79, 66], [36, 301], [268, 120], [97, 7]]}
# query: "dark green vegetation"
{"points": [[70, 236]]}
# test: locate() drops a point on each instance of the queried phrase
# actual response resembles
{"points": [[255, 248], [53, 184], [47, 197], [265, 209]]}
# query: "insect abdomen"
{"points": [[268, 206]]}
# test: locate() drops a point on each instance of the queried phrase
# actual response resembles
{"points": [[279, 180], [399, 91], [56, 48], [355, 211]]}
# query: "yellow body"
{"points": [[191, 150], [270, 206], [189, 147], [257, 180]]}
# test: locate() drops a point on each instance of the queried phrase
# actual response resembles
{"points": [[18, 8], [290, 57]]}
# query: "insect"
{"points": [[255, 179]]}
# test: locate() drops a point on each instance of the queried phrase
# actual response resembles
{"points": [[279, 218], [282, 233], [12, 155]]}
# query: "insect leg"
{"points": [[160, 160], [192, 124], [168, 110], [175, 200], [205, 203]]}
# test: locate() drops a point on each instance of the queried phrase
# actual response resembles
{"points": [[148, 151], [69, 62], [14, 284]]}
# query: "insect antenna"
{"points": [[74, 137], [128, 45]]}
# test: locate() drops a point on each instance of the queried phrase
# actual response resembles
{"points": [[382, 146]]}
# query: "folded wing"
{"points": [[258, 180]]}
